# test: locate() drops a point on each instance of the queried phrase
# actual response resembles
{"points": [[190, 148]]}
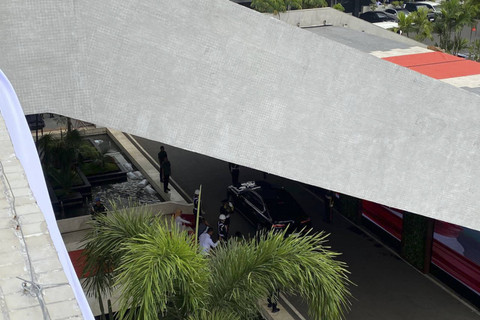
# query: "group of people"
{"points": [[205, 230]]}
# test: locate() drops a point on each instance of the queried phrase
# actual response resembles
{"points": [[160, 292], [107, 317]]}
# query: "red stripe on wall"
{"points": [[379, 214], [456, 265]]}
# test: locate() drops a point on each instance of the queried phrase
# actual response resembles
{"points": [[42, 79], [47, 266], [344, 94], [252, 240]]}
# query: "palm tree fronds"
{"points": [[245, 273]]}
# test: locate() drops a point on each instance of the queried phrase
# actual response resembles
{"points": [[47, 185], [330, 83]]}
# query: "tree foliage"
{"points": [[405, 23], [310, 4], [277, 6], [421, 25], [339, 7], [455, 15], [161, 271]]}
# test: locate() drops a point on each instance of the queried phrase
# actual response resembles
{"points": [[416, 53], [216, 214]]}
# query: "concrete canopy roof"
{"points": [[219, 79]]}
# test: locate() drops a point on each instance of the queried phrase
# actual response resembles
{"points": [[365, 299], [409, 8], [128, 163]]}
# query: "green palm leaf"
{"points": [[246, 271]]}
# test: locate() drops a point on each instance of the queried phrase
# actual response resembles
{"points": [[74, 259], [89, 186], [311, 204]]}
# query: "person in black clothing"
{"points": [[195, 203], [328, 204], [235, 172], [226, 209], [97, 208], [222, 228], [162, 155], [202, 226], [167, 170], [273, 300]]}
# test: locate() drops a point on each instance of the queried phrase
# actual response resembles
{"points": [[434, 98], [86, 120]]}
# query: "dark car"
{"points": [[396, 11], [267, 206], [377, 16], [432, 8]]}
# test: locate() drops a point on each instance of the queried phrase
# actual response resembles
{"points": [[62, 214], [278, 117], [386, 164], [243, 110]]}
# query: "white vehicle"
{"points": [[386, 24]]}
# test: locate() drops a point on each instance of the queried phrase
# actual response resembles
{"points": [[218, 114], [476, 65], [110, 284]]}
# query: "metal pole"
{"points": [[197, 218]]}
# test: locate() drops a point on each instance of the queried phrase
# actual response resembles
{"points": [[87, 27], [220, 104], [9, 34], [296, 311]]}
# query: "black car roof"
{"points": [[280, 203]]}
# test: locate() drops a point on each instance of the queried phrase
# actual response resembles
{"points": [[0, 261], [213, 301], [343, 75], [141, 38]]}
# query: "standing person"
{"points": [[222, 228], [195, 203], [273, 300], [178, 219], [203, 226], [226, 209], [167, 170], [162, 155], [235, 172], [206, 242], [328, 204]]}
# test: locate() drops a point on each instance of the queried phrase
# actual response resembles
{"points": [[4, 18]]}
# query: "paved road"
{"points": [[386, 287]]}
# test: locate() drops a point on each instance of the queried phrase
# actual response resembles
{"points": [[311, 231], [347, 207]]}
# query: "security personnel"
{"points": [[162, 155], [226, 209], [222, 228], [195, 203]]}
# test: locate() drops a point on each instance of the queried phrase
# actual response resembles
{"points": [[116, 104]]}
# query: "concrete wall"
{"points": [[217, 78], [320, 16]]}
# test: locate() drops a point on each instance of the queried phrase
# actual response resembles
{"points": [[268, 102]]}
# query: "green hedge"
{"points": [[349, 207], [415, 228]]}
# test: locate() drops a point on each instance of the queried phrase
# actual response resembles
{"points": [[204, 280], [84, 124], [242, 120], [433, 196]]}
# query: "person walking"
{"points": [[222, 228], [206, 242], [162, 155], [235, 172], [167, 170]]}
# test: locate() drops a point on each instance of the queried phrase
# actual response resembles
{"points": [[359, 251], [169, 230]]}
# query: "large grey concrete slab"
{"points": [[222, 80]]}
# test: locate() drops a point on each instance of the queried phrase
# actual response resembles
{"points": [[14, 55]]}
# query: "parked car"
{"points": [[397, 11], [267, 206], [432, 7], [378, 16]]}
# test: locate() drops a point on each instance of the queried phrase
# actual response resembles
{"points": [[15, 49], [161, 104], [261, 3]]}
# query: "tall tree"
{"points": [[405, 23], [455, 15], [421, 25], [308, 4], [277, 6], [161, 271]]}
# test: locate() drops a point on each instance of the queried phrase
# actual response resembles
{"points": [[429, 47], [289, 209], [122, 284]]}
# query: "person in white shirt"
{"points": [[179, 221], [206, 242]]}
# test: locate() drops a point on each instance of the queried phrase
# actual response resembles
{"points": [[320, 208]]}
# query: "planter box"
{"points": [[86, 188], [105, 178], [75, 199], [109, 177]]}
